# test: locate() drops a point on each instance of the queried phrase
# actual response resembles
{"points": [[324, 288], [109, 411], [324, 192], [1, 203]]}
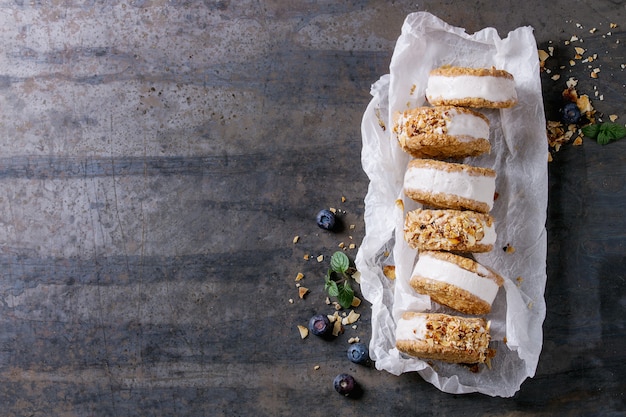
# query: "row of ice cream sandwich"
{"points": [[459, 198]]}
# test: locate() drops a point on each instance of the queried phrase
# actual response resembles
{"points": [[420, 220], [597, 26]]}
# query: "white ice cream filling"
{"points": [[450, 273], [411, 329], [463, 124], [471, 86], [459, 183]]}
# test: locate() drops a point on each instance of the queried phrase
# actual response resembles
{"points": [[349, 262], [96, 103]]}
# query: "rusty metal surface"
{"points": [[158, 158]]}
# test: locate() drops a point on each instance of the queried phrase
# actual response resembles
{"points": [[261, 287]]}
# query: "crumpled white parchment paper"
{"points": [[519, 156]]}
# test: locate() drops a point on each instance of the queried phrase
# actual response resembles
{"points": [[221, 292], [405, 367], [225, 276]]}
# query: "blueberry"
{"points": [[319, 325], [346, 385], [570, 113], [326, 219], [358, 353]]}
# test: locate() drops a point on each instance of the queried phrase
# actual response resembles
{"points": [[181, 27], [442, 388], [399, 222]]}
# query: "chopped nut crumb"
{"points": [[356, 301], [578, 141], [350, 318], [341, 245], [327, 301], [304, 331], [389, 271], [291, 301], [337, 328], [352, 246], [555, 77], [613, 117], [343, 199], [316, 367], [295, 239], [299, 276], [306, 256], [320, 258], [354, 340], [333, 210], [302, 291]]}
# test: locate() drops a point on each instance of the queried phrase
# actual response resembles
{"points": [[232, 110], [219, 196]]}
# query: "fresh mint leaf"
{"points": [[610, 132], [346, 295], [591, 131], [332, 288], [604, 133], [339, 262]]}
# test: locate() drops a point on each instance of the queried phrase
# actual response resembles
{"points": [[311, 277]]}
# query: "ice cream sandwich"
{"points": [[442, 132], [456, 281], [449, 230], [471, 87], [443, 337], [450, 185]]}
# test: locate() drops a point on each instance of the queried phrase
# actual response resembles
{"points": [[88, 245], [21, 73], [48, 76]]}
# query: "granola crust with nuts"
{"points": [[449, 338], [446, 200], [449, 230], [423, 133]]}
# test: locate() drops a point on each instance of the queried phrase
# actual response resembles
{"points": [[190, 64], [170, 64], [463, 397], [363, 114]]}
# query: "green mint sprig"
{"points": [[340, 288], [604, 133]]}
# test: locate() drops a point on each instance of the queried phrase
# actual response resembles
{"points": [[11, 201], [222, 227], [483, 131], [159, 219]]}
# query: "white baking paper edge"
{"points": [[519, 156]]}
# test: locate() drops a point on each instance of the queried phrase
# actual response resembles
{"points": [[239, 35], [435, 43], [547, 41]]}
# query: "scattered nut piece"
{"points": [[320, 258], [316, 367], [291, 301], [337, 328], [612, 117], [389, 271], [519, 281], [356, 301], [295, 239], [352, 246], [578, 141], [306, 256], [508, 248], [543, 55], [299, 276], [341, 245], [333, 210], [555, 77], [592, 30], [343, 199], [612, 25], [352, 226], [579, 50], [304, 331], [302, 291], [327, 301], [351, 318], [354, 340]]}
